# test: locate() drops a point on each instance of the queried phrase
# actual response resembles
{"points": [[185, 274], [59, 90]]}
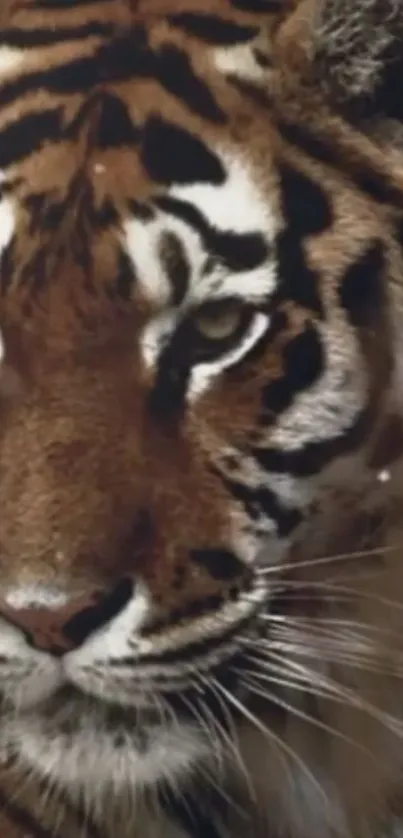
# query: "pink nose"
{"points": [[61, 630]]}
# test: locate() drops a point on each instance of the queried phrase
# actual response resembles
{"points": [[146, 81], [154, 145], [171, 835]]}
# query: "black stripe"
{"points": [[362, 290], [25, 136], [190, 611], [262, 58], [174, 72], [307, 211], [262, 501], [7, 266], [103, 215], [61, 5], [259, 6], [259, 95], [196, 648], [196, 819], [144, 212], [166, 400], [297, 281], [125, 278], [373, 183], [305, 204], [77, 76], [213, 29], [115, 126], [220, 564], [175, 265], [45, 214], [171, 154], [238, 251], [41, 36], [307, 461], [303, 363], [125, 58], [35, 271], [388, 98]]}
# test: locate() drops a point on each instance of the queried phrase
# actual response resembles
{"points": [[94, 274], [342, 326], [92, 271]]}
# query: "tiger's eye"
{"points": [[217, 322]]}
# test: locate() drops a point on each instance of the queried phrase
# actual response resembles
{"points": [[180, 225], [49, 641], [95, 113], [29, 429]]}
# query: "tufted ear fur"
{"points": [[358, 53]]}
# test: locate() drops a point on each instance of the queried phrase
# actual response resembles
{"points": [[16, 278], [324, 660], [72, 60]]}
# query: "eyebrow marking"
{"points": [[175, 264], [238, 251]]}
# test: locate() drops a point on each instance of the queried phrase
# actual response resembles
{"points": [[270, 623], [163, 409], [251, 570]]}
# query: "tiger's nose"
{"points": [[60, 630]]}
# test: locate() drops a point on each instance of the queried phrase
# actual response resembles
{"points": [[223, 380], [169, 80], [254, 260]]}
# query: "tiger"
{"points": [[201, 418]]}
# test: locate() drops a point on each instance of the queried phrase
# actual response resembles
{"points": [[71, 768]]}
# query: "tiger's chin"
{"points": [[91, 748]]}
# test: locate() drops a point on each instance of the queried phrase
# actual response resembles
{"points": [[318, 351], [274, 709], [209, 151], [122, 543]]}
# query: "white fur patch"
{"points": [[141, 240], [252, 286], [7, 222], [36, 595], [155, 335], [239, 61], [10, 59], [26, 675], [235, 205], [90, 764], [292, 493]]}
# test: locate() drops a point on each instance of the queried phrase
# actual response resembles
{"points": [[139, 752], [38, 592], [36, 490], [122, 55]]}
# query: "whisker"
{"points": [[324, 560], [351, 697], [230, 738], [351, 640], [209, 777], [309, 679], [374, 651], [329, 586], [269, 695], [272, 738], [359, 573], [309, 674], [208, 728], [325, 621], [349, 636], [298, 683], [346, 649]]}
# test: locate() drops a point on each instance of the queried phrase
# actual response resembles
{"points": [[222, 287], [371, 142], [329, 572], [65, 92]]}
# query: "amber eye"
{"points": [[220, 320]]}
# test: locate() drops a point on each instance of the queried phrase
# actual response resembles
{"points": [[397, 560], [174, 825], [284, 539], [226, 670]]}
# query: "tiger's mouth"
{"points": [[68, 705], [88, 744], [93, 747], [69, 709], [123, 707]]}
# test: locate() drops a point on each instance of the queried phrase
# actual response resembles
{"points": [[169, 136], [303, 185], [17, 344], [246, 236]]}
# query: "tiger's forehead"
{"points": [[140, 145], [205, 239], [187, 240]]}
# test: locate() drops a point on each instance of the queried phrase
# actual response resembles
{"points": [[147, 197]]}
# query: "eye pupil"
{"points": [[218, 321]]}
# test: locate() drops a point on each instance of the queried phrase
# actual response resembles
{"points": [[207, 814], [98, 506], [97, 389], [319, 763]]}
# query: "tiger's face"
{"points": [[193, 332]]}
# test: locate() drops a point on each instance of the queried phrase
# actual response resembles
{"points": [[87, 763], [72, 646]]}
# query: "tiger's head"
{"points": [[198, 257]]}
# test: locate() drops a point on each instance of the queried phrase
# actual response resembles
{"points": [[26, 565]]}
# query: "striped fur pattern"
{"points": [[201, 304]]}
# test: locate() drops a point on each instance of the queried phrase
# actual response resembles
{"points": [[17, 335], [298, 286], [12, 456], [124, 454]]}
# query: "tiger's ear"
{"points": [[357, 52]]}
